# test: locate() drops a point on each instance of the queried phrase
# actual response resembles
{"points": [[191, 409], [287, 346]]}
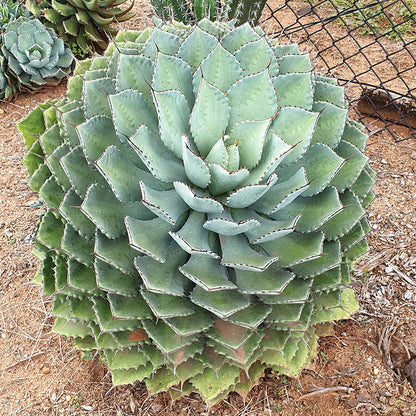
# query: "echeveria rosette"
{"points": [[34, 55], [204, 194]]}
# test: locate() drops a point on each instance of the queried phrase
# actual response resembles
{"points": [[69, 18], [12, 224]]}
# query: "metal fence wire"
{"points": [[369, 45]]}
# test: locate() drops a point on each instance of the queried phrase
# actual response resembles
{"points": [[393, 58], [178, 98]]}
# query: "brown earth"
{"points": [[359, 368]]}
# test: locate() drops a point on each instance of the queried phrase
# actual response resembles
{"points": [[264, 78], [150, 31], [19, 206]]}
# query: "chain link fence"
{"points": [[370, 46]]}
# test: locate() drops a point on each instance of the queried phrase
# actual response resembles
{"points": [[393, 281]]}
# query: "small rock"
{"points": [[383, 161], [86, 407], [68, 398], [388, 269], [408, 295], [376, 371], [413, 155], [46, 370]]}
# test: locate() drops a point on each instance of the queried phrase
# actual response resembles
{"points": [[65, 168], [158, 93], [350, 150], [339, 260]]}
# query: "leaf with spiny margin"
{"points": [[192, 237], [294, 63], [149, 237], [254, 56], [219, 68], [129, 308], [196, 323], [273, 153], [328, 280], [164, 337], [196, 169], [179, 356], [290, 312], [130, 110], [238, 37], [331, 257], [51, 194], [315, 210], [121, 377], [320, 174], [33, 158], [125, 358], [161, 41], [250, 136], [79, 172], [245, 96], [251, 317], [167, 205], [107, 322], [332, 94], [135, 72], [196, 47], [354, 135], [157, 158], [228, 333], [61, 308], [353, 236], [77, 246], [188, 369], [172, 73], [53, 161], [218, 154], [167, 306], [116, 252], [173, 111], [362, 185], [69, 121], [330, 125], [237, 253], [71, 328], [295, 248], [294, 90], [164, 277], [343, 222], [297, 291], [351, 169], [271, 281], [222, 303], [39, 177], [210, 384], [225, 224], [32, 126], [107, 212], [50, 140], [197, 200], [347, 306], [357, 250], [95, 96], [96, 134], [207, 273], [269, 229], [50, 231], [249, 194], [113, 280], [296, 127], [223, 180], [122, 175], [209, 117], [46, 275]]}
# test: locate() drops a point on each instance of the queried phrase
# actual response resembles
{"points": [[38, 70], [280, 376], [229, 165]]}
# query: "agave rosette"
{"points": [[34, 55], [204, 190], [84, 23]]}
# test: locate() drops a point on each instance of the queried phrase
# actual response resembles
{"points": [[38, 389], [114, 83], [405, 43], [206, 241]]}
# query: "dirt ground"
{"points": [[359, 368]]}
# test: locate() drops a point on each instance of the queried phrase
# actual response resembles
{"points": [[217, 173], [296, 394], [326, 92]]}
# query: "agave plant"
{"points": [[85, 24], [204, 195], [11, 10], [34, 55]]}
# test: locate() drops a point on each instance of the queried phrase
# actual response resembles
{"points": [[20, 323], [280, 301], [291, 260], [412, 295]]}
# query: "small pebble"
{"points": [[68, 398], [376, 370], [388, 269], [383, 161], [46, 370], [413, 155]]}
